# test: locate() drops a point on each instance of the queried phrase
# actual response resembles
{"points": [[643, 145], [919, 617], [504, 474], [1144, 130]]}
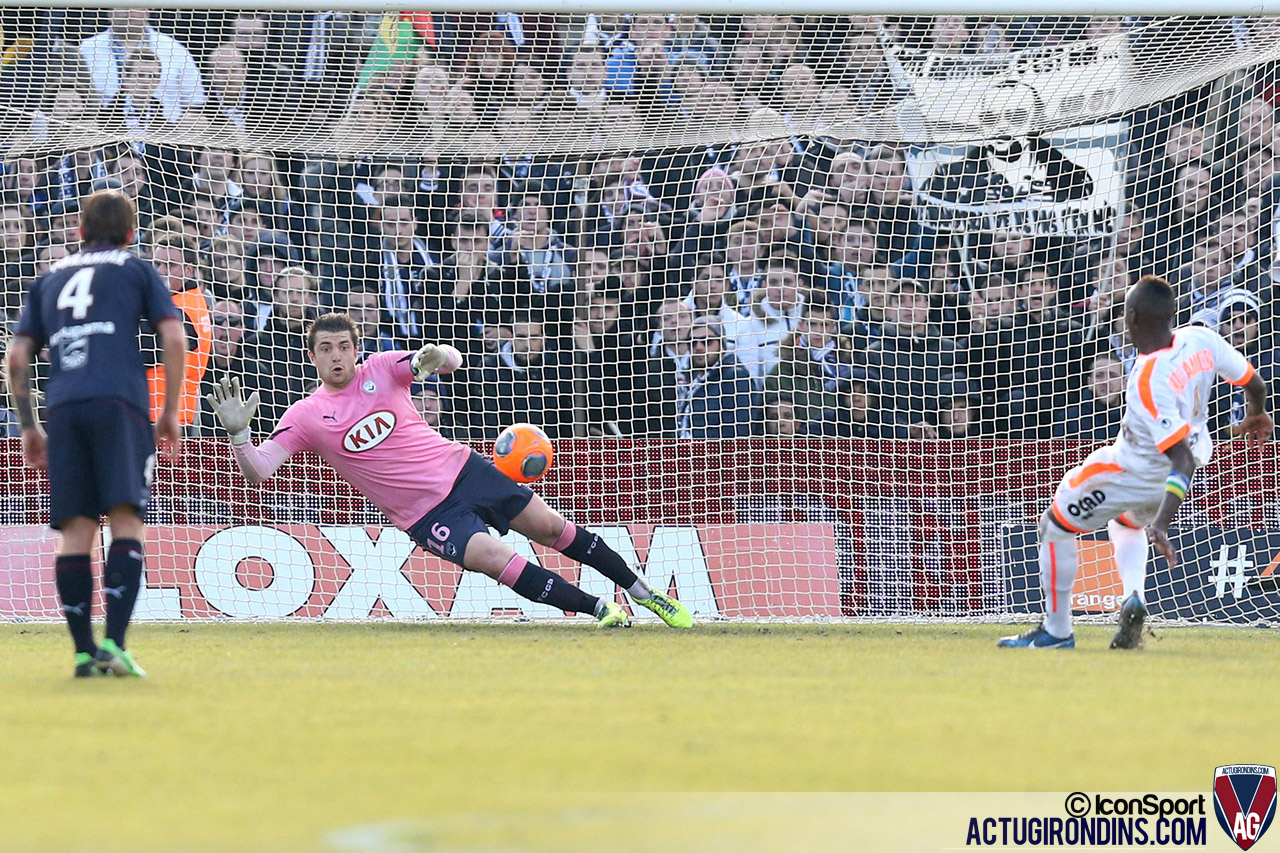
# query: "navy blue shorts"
{"points": [[102, 453], [482, 497]]}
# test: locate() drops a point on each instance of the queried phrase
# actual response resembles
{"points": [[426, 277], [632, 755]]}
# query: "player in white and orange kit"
{"points": [[362, 421], [1136, 485]]}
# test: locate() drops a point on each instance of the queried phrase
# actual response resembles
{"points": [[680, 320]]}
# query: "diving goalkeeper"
{"points": [[362, 421]]}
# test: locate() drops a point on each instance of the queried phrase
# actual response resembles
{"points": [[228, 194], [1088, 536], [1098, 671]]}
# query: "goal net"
{"points": [[816, 310]]}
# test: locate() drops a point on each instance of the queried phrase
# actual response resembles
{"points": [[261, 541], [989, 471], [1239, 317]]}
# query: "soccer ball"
{"points": [[523, 452]]}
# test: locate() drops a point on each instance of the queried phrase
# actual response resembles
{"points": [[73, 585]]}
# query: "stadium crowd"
{"points": [[784, 287]]}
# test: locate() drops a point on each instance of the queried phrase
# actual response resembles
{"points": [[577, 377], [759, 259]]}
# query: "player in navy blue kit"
{"points": [[101, 447]]}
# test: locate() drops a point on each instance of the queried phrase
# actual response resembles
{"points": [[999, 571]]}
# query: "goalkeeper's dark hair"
{"points": [[108, 216], [332, 322]]}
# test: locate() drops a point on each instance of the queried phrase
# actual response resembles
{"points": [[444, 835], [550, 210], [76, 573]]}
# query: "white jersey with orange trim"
{"points": [[1168, 398]]}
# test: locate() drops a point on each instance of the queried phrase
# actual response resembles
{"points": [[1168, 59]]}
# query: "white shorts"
{"points": [[1099, 489]]}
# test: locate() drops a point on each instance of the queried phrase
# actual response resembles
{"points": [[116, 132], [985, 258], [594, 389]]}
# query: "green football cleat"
{"points": [[113, 659], [84, 665], [675, 614], [614, 616]]}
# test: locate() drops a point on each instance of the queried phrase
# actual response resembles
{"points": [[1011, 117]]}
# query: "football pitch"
{"points": [[535, 737]]}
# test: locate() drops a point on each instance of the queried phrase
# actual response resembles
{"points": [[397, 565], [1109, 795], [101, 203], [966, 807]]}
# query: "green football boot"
{"points": [[84, 665], [675, 614], [112, 658], [614, 616]]}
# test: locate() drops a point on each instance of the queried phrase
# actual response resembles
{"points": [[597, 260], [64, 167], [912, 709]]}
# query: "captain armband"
{"points": [[1178, 484]]}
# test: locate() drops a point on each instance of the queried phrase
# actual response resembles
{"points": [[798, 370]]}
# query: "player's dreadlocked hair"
{"points": [[332, 322]]}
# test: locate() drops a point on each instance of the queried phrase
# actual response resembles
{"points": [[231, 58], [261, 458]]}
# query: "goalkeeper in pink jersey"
{"points": [[362, 421]]}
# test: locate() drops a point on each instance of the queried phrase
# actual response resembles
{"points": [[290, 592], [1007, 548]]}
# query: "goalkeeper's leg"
{"points": [[547, 527], [492, 557]]}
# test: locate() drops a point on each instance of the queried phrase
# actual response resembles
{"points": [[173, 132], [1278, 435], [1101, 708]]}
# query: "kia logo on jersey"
{"points": [[1244, 798], [369, 432]]}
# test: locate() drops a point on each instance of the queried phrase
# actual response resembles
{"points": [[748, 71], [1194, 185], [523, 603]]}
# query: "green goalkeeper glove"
{"points": [[233, 410]]}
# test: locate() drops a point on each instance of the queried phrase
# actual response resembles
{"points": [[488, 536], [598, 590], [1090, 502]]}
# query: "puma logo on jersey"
{"points": [[369, 432]]}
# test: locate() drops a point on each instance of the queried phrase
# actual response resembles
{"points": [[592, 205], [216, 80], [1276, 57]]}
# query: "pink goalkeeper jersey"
{"points": [[375, 439]]}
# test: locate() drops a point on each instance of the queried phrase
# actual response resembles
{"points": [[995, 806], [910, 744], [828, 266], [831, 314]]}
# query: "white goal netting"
{"points": [[816, 310]]}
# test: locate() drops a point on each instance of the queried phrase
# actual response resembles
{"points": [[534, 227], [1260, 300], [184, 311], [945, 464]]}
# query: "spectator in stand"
{"points": [[63, 224], [227, 322], [226, 268], [761, 170], [742, 259], [850, 180], [207, 214], [1047, 347], [891, 198], [604, 346], [1201, 283], [646, 244], [19, 263], [405, 261], [716, 398], [912, 357], [179, 87], [260, 180], [271, 254], [1239, 236], [1098, 410], [815, 362], [585, 79], [177, 261], [710, 213], [877, 285], [523, 381], [22, 178], [536, 253], [364, 307], [487, 74], [856, 415], [228, 97], [479, 201], [1180, 221], [212, 178], [779, 418], [1184, 144], [957, 413], [1239, 321], [773, 312], [710, 295], [456, 292], [851, 255], [1256, 124], [275, 358]]}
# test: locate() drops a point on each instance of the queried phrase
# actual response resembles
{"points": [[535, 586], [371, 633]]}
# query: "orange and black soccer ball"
{"points": [[523, 452]]}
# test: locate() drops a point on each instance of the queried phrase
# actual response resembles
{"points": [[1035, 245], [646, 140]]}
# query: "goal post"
{"points": [[816, 308]]}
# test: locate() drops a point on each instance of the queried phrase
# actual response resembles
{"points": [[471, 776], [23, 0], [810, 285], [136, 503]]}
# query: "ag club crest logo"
{"points": [[1244, 799]]}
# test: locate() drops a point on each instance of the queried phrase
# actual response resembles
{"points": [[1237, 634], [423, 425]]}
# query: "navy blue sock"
{"points": [[74, 576], [589, 549], [120, 582], [537, 584]]}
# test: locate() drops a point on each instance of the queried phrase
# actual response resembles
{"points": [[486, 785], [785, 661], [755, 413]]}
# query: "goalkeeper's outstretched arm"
{"points": [[235, 414]]}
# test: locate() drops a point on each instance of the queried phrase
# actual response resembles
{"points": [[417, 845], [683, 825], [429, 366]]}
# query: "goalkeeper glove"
{"points": [[432, 358], [233, 410]]}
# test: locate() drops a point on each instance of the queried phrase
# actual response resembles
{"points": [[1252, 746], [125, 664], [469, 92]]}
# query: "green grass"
{"points": [[282, 735]]}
